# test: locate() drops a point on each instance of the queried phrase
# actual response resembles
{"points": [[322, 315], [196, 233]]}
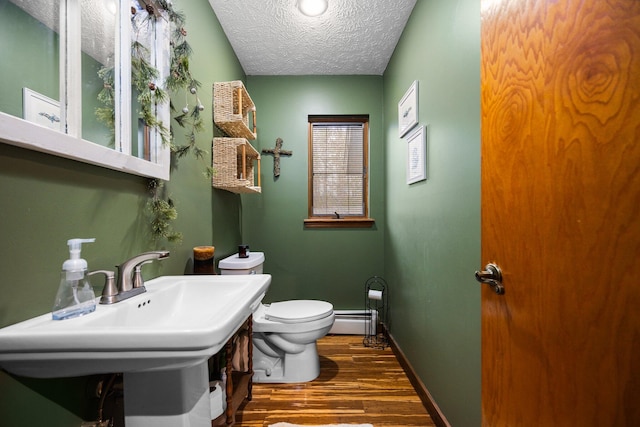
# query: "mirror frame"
{"points": [[22, 133]]}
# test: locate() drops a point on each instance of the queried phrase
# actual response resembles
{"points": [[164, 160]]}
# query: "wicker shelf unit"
{"points": [[239, 383], [233, 160], [231, 107]]}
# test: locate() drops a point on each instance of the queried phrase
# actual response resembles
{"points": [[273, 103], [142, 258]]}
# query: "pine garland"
{"points": [[180, 78], [144, 77], [162, 212], [107, 114]]}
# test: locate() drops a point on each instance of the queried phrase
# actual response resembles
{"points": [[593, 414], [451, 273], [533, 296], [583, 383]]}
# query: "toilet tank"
{"points": [[236, 265]]}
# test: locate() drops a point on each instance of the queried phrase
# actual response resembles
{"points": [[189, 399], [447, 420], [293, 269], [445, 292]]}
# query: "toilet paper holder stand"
{"points": [[376, 297]]}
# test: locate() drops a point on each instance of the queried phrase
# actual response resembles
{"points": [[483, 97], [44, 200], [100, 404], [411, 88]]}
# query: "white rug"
{"points": [[318, 425]]}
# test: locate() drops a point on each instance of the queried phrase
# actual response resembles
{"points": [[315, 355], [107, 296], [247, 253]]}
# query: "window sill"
{"points": [[339, 222]]}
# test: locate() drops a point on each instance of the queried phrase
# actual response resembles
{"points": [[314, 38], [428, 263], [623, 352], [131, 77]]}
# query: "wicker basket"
{"points": [[233, 160], [231, 106]]}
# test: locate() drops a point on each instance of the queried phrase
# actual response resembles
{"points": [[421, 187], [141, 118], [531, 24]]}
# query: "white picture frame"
{"points": [[417, 156], [40, 109], [408, 110]]}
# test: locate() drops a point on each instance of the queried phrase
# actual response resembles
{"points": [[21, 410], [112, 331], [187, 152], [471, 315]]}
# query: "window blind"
{"points": [[338, 169]]}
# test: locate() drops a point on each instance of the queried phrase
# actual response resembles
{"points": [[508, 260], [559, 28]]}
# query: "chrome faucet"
{"points": [[130, 281]]}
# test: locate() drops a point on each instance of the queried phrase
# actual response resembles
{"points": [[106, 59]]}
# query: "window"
{"points": [[338, 172]]}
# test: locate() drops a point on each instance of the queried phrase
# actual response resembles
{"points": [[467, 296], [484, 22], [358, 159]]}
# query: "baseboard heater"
{"points": [[353, 322]]}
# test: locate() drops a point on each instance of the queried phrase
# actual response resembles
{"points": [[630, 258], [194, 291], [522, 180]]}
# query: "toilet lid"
{"points": [[297, 311]]}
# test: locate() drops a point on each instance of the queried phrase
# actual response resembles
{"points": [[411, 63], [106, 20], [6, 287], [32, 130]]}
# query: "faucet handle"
{"points": [[110, 290], [138, 281]]}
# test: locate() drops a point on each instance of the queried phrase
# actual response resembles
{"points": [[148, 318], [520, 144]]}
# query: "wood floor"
{"points": [[357, 384]]}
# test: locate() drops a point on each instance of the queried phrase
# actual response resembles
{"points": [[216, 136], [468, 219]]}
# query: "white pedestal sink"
{"points": [[160, 340]]}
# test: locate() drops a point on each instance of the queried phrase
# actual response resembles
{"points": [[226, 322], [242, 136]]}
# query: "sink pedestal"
{"points": [[171, 398]]}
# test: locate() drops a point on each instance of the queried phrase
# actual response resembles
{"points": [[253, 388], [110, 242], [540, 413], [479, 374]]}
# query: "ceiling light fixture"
{"points": [[313, 7]]}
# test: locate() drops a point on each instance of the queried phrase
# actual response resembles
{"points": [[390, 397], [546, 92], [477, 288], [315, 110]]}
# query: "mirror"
{"points": [[28, 48], [56, 54]]}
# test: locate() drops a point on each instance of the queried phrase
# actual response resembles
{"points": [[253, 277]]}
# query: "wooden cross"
{"points": [[277, 152]]}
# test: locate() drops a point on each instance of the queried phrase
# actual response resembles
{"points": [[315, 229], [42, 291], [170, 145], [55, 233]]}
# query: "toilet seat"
{"points": [[296, 320], [296, 311]]}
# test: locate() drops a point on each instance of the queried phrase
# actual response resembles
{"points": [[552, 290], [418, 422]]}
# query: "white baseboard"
{"points": [[353, 322]]}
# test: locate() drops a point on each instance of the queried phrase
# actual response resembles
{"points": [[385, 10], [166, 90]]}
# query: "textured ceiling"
{"points": [[97, 23], [271, 37]]}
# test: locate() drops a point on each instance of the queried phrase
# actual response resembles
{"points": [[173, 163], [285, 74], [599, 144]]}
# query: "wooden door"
{"points": [[560, 88]]}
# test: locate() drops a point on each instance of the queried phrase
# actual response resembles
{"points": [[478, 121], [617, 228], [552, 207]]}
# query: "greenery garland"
{"points": [[144, 76]]}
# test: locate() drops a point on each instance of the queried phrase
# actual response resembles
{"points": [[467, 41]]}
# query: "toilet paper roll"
{"points": [[373, 294], [217, 400]]}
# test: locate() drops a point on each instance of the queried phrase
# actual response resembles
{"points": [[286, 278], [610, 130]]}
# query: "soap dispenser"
{"points": [[75, 295]]}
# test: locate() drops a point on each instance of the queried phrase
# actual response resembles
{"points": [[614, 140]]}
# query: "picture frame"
{"points": [[40, 109], [417, 156], [408, 110]]}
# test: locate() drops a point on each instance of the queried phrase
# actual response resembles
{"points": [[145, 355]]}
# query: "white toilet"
{"points": [[284, 333]]}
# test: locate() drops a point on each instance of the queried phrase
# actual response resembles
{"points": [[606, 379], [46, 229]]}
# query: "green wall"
{"points": [[432, 239], [328, 264], [47, 200]]}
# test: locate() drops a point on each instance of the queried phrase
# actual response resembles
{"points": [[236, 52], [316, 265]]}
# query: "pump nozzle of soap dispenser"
{"points": [[74, 265], [75, 295]]}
